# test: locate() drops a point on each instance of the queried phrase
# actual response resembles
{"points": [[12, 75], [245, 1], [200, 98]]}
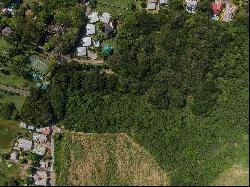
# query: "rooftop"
{"points": [[81, 51], [39, 137], [86, 41], [24, 144], [39, 149], [90, 29], [105, 17], [93, 17]]}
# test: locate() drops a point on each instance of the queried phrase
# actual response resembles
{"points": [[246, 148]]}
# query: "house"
{"points": [[93, 17], [44, 165], [46, 130], [31, 128], [24, 144], [39, 130], [13, 156], [39, 149], [151, 6], [229, 12], [163, 2], [42, 138], [23, 125], [81, 51], [90, 29], [6, 31], [105, 17], [191, 5], [86, 41], [40, 178]]}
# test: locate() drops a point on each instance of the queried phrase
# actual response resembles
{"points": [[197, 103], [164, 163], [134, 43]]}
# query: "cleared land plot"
{"points": [[7, 98], [104, 159], [235, 176], [8, 134]]}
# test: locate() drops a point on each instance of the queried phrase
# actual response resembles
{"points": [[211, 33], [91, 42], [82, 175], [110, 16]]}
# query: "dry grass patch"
{"points": [[106, 159], [235, 176]]}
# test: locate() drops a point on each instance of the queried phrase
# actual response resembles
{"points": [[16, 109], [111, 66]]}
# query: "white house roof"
{"points": [[13, 156], [39, 149], [191, 5], [93, 17], [23, 125], [31, 127], [90, 29], [81, 51], [163, 1], [44, 164], [151, 6], [24, 144], [105, 17], [86, 41], [39, 137]]}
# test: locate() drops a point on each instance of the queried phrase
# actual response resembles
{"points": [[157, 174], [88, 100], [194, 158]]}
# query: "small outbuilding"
{"points": [[90, 29], [81, 51]]}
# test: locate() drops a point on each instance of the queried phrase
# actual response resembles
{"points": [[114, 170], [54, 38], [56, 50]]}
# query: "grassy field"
{"points": [[113, 11], [6, 98], [14, 80], [8, 133], [235, 176], [107, 159]]}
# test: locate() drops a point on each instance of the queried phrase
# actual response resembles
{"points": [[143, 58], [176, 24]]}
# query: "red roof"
{"points": [[46, 131]]}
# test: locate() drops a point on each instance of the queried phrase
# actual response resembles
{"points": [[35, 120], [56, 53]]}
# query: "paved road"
{"points": [[53, 176], [11, 89]]}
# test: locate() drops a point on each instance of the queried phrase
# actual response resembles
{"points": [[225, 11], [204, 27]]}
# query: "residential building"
{"points": [[39, 149], [87, 41], [191, 5], [24, 144], [108, 29], [81, 51], [31, 128], [105, 18], [40, 178], [90, 29], [42, 138], [93, 17], [23, 125], [163, 2], [151, 6], [6, 31], [13, 156], [44, 165]]}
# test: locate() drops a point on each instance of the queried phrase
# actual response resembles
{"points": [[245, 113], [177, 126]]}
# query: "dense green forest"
{"points": [[179, 88]]}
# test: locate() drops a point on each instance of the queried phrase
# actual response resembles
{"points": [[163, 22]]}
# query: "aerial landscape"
{"points": [[124, 92]]}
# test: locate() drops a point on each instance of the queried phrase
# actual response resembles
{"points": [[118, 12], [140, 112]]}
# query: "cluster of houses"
{"points": [[91, 30], [155, 4], [40, 145]]}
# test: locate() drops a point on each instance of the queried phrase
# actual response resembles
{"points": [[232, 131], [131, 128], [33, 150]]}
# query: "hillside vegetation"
{"points": [[179, 89]]}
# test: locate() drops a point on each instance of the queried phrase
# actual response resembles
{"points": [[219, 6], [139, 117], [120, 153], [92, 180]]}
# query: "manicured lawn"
{"points": [[6, 98]]}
